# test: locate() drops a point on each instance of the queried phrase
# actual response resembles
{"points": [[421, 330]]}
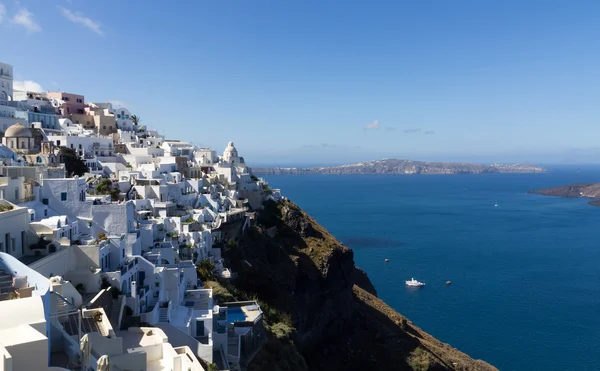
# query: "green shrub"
{"points": [[420, 360], [205, 269], [282, 331], [4, 208], [104, 186]]}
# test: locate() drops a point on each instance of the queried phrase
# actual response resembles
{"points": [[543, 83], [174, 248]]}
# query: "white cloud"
{"points": [[373, 125], [2, 12], [118, 104], [26, 19], [82, 20], [27, 85]]}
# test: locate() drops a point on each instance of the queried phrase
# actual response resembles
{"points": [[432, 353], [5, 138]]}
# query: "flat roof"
{"points": [[20, 335], [134, 339]]}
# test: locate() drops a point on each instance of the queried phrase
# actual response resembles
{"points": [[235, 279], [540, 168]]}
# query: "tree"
{"points": [[136, 120], [74, 165], [104, 186], [115, 194], [205, 269]]}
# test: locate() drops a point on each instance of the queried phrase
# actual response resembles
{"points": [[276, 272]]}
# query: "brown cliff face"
{"points": [[583, 190], [322, 311]]}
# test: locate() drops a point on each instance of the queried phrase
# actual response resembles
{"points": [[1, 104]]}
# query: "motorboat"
{"points": [[387, 260], [414, 283]]}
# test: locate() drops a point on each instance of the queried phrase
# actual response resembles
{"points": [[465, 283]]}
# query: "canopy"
{"points": [[85, 348], [103, 363]]}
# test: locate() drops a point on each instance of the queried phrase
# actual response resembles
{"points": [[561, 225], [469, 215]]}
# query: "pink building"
{"points": [[73, 103]]}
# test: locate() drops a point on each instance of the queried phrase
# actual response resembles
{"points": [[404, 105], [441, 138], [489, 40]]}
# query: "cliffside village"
{"points": [[98, 271]]}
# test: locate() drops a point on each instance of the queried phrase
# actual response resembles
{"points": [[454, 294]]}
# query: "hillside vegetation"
{"points": [[322, 312]]}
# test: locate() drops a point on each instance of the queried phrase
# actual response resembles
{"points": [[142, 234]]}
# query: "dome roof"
{"points": [[18, 131], [230, 147]]}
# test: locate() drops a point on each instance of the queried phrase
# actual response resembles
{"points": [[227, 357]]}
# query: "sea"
{"points": [[525, 275]]}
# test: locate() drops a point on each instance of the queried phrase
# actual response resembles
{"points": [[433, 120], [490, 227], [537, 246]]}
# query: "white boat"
{"points": [[414, 283], [496, 204]]}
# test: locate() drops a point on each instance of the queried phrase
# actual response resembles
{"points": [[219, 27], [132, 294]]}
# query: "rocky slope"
{"points": [[583, 190], [393, 166], [321, 311]]}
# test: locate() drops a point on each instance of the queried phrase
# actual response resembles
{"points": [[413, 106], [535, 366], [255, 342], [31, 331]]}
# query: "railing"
{"points": [[25, 199]]}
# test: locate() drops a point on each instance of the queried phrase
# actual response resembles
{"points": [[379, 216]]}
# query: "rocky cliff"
{"points": [[583, 190], [393, 166], [321, 311]]}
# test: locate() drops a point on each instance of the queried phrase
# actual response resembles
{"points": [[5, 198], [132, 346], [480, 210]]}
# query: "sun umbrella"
{"points": [[85, 348], [103, 363]]}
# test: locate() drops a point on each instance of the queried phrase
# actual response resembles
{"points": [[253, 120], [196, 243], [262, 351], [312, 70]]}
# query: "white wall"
{"points": [[14, 228], [30, 355]]}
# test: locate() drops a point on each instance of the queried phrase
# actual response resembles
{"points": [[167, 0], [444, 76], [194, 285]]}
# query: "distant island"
{"points": [[394, 166], [583, 190]]}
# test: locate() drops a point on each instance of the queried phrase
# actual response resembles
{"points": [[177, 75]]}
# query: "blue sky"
{"points": [[330, 81]]}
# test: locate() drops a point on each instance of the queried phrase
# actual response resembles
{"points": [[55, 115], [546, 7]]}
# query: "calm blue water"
{"points": [[235, 314], [525, 291]]}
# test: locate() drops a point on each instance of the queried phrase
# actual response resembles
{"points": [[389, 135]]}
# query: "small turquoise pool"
{"points": [[235, 315]]}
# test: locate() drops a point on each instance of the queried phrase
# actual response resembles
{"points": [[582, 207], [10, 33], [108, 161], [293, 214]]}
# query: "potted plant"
{"points": [[97, 316]]}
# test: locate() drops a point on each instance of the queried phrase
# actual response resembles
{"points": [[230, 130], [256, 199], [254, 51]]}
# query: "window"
{"points": [[45, 212], [58, 142], [23, 241], [66, 99], [123, 252], [80, 146], [79, 100], [45, 201], [32, 217], [71, 145], [63, 196]]}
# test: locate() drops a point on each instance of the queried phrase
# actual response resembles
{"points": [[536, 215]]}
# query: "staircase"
{"points": [[163, 315], [6, 285], [152, 302]]}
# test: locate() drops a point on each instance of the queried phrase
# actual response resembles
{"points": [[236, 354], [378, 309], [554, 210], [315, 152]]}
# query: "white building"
{"points": [[85, 146], [24, 336], [142, 348], [9, 114], [124, 121], [14, 229]]}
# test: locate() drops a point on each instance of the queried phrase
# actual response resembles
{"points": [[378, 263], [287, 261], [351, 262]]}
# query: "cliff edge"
{"points": [[321, 312]]}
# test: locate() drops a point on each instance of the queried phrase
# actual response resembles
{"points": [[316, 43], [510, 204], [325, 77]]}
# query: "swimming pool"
{"points": [[235, 314]]}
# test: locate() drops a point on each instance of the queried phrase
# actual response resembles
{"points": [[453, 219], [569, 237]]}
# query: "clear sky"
{"points": [[330, 81]]}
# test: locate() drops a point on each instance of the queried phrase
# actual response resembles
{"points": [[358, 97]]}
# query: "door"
{"points": [[141, 277]]}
